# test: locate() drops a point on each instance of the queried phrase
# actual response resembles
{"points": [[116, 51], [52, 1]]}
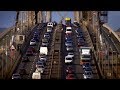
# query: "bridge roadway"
{"points": [[95, 68], [30, 66]]}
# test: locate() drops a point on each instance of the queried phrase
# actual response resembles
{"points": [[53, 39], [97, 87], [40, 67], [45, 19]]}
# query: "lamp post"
{"points": [[3, 59], [6, 53]]}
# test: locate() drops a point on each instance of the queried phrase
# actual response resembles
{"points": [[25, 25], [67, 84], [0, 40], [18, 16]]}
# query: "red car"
{"points": [[80, 44], [70, 76], [69, 70], [29, 52], [31, 49]]}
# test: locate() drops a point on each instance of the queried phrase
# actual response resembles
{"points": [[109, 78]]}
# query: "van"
{"points": [[36, 75]]}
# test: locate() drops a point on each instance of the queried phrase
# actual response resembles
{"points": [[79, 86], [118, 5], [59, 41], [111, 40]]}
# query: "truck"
{"points": [[43, 50], [68, 21], [85, 54], [36, 75]]}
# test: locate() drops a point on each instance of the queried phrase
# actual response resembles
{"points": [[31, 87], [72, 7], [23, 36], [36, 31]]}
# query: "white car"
{"points": [[69, 48], [68, 30], [32, 42], [71, 54], [88, 75], [68, 59], [49, 29], [50, 24]]}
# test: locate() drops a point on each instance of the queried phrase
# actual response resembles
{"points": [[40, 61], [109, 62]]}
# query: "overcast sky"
{"points": [[7, 18]]}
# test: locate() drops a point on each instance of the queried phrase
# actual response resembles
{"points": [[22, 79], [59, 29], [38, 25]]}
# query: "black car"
{"points": [[25, 59]]}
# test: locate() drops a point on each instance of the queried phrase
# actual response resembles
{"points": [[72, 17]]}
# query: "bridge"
{"points": [[15, 41]]}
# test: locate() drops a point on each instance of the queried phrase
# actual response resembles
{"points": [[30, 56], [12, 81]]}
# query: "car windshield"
{"points": [[85, 56], [68, 58], [86, 64], [70, 54], [16, 75], [32, 40], [40, 67], [88, 73], [88, 69], [46, 33], [69, 30]]}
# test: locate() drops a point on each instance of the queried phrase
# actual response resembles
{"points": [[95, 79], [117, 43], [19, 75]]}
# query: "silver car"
{"points": [[69, 48], [88, 75]]}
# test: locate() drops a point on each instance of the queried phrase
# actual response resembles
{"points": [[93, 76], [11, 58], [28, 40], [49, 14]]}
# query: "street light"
{"points": [[6, 52]]}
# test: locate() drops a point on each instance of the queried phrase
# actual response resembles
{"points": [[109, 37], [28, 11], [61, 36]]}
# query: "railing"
{"points": [[94, 52]]}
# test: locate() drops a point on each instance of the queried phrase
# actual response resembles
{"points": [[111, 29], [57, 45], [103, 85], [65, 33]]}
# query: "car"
{"points": [[32, 42], [70, 76], [49, 29], [80, 44], [80, 39], [87, 69], [25, 58], [43, 57], [16, 76], [71, 54], [76, 24], [86, 65], [40, 68], [29, 52], [45, 42], [43, 61], [22, 71], [32, 49], [68, 38], [68, 59], [39, 63], [79, 36], [68, 30], [69, 48], [47, 35], [36, 39], [88, 75], [69, 70], [68, 43], [50, 24]]}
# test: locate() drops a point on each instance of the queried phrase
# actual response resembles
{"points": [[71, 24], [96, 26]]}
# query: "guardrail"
{"points": [[18, 59]]}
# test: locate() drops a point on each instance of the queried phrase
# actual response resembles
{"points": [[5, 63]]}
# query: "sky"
{"points": [[7, 18]]}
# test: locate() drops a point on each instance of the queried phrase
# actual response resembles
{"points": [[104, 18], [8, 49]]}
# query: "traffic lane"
{"points": [[33, 59], [77, 66], [19, 66], [94, 70], [30, 65], [24, 53]]}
